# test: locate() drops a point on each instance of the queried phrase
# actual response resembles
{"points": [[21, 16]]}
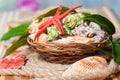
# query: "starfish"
{"points": [[55, 20]]}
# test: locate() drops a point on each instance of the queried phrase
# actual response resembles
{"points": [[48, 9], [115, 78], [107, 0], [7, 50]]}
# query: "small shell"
{"points": [[43, 38], [33, 28], [90, 68], [82, 39]]}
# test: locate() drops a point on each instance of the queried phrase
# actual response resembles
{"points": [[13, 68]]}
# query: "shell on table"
{"points": [[90, 68]]}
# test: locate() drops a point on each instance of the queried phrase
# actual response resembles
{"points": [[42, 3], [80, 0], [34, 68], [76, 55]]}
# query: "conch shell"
{"points": [[90, 68]]}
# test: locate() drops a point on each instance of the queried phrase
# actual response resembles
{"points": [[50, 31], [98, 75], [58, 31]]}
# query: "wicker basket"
{"points": [[66, 53]]}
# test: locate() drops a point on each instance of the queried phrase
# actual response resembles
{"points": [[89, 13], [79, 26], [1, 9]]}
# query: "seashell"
{"points": [[90, 68]]}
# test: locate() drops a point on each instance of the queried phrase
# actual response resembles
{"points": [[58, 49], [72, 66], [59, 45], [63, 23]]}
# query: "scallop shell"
{"points": [[90, 68]]}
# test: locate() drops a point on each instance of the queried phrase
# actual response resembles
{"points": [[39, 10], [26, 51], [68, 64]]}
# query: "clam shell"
{"points": [[90, 68]]}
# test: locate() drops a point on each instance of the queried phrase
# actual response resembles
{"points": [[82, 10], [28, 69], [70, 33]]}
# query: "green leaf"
{"points": [[116, 50], [17, 31], [86, 14], [20, 42], [102, 21], [52, 12]]}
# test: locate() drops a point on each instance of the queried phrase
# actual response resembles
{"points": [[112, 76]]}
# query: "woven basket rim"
{"points": [[71, 43]]}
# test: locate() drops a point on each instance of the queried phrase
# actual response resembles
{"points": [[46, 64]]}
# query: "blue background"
{"points": [[8, 5]]}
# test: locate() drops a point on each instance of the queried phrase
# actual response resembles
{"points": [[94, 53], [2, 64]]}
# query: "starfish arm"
{"points": [[58, 24], [43, 24], [56, 15], [38, 33], [68, 11], [58, 11], [42, 29]]}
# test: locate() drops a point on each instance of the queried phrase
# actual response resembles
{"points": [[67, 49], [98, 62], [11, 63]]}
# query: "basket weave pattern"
{"points": [[65, 53]]}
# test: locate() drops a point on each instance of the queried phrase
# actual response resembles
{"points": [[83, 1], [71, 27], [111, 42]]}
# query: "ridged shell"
{"points": [[90, 68]]}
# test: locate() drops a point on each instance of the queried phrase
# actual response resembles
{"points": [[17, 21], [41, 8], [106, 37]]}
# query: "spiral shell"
{"points": [[74, 20], [90, 68]]}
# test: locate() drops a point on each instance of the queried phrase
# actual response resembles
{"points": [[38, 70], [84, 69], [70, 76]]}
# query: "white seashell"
{"points": [[90, 68], [77, 39]]}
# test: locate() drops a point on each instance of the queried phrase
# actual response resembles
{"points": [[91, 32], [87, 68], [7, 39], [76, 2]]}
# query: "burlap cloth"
{"points": [[37, 68]]}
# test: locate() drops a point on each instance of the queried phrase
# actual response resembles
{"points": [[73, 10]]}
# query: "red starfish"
{"points": [[55, 20]]}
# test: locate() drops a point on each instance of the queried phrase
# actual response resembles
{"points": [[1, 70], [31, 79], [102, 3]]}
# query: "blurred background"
{"points": [[11, 5]]}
